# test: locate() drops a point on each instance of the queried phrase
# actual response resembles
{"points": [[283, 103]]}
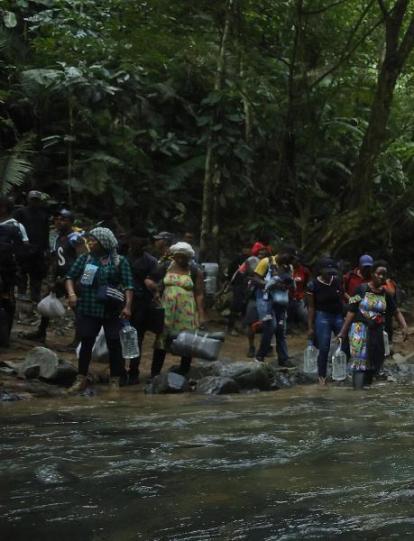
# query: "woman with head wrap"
{"points": [[324, 295], [103, 267], [183, 302]]}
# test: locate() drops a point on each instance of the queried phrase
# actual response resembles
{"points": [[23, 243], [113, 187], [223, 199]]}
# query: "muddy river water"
{"points": [[305, 463]]}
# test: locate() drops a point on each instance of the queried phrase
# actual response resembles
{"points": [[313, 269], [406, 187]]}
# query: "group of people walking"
{"points": [[108, 278], [357, 308]]}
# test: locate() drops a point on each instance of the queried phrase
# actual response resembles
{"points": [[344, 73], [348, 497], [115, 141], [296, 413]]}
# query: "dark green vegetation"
{"points": [[294, 115]]}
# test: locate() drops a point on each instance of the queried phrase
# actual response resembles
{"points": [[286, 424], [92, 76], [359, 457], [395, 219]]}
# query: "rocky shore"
{"points": [[42, 373]]}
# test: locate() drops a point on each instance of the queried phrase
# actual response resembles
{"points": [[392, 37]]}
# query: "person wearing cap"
{"points": [[68, 245], [35, 219], [162, 242], [325, 315], [273, 277], [361, 275]]}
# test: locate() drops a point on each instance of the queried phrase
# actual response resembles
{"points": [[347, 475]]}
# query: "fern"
{"points": [[15, 165]]}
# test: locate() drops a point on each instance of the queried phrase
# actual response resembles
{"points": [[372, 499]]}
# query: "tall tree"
{"points": [[399, 43]]}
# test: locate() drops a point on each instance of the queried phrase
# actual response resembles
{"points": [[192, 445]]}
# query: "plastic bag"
{"points": [[51, 307], [100, 348]]}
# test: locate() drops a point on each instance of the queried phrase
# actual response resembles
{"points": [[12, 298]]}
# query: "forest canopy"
{"points": [[225, 117]]}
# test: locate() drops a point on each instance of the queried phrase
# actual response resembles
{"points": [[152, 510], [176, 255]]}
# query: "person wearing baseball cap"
{"points": [[360, 275], [67, 246], [162, 242]]}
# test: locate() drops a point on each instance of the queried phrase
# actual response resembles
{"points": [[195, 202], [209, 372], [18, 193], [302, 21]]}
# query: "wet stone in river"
{"points": [[217, 385], [248, 375], [167, 383]]}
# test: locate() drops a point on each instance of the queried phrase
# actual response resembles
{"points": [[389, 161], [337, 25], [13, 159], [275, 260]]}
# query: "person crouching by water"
{"points": [[325, 315], [182, 283], [105, 277], [366, 317]]}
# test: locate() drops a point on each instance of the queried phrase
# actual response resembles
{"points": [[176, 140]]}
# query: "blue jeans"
{"points": [[325, 325], [273, 324]]}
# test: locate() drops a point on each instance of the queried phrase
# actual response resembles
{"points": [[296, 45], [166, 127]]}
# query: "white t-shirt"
{"points": [[23, 232]]}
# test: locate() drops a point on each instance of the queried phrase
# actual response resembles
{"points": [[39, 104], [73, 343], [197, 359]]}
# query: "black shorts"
{"points": [[89, 327]]}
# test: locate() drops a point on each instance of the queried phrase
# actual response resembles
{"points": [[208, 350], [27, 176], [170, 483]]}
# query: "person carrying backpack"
{"points": [[273, 277], [183, 301], [11, 244], [34, 265]]}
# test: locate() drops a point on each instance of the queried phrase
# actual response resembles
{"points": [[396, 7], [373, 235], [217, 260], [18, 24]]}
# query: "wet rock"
{"points": [[281, 381], [43, 363], [200, 369], [217, 385], [6, 396], [247, 374], [167, 383]]}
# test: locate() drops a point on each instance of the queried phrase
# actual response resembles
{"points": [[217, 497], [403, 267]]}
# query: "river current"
{"points": [[305, 463]]}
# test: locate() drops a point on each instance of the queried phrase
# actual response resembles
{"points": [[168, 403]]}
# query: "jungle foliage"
{"points": [[222, 116]]}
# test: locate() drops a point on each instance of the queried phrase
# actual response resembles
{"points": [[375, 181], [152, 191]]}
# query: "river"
{"points": [[305, 463]]}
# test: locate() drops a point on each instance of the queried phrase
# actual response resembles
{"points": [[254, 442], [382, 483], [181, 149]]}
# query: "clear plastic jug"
{"points": [[129, 341], [310, 359], [387, 349], [339, 364]]}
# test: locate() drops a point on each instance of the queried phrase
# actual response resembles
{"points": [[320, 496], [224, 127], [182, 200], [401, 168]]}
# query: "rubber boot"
{"points": [[358, 379]]}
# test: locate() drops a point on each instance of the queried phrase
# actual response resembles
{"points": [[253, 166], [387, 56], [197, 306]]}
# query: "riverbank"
{"points": [[234, 373]]}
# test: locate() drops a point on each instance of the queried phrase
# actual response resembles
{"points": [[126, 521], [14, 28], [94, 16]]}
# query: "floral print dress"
{"points": [[371, 308], [179, 304]]}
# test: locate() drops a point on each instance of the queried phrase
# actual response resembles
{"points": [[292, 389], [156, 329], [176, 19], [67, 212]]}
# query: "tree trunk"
{"points": [[397, 52], [207, 250], [286, 169]]}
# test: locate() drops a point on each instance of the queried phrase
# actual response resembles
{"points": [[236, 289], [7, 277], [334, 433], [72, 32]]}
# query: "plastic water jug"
{"points": [[310, 359], [129, 341], [339, 365], [211, 275], [387, 350]]}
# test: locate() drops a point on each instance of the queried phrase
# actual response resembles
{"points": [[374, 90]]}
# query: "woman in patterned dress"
{"points": [[366, 319], [183, 302]]}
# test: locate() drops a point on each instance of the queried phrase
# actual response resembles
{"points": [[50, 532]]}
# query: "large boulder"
{"points": [[217, 385], [247, 374], [170, 382], [43, 363]]}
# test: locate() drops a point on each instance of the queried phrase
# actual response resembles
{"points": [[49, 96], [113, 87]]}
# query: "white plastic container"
{"points": [[387, 349], [129, 341], [210, 277], [339, 367], [310, 359]]}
